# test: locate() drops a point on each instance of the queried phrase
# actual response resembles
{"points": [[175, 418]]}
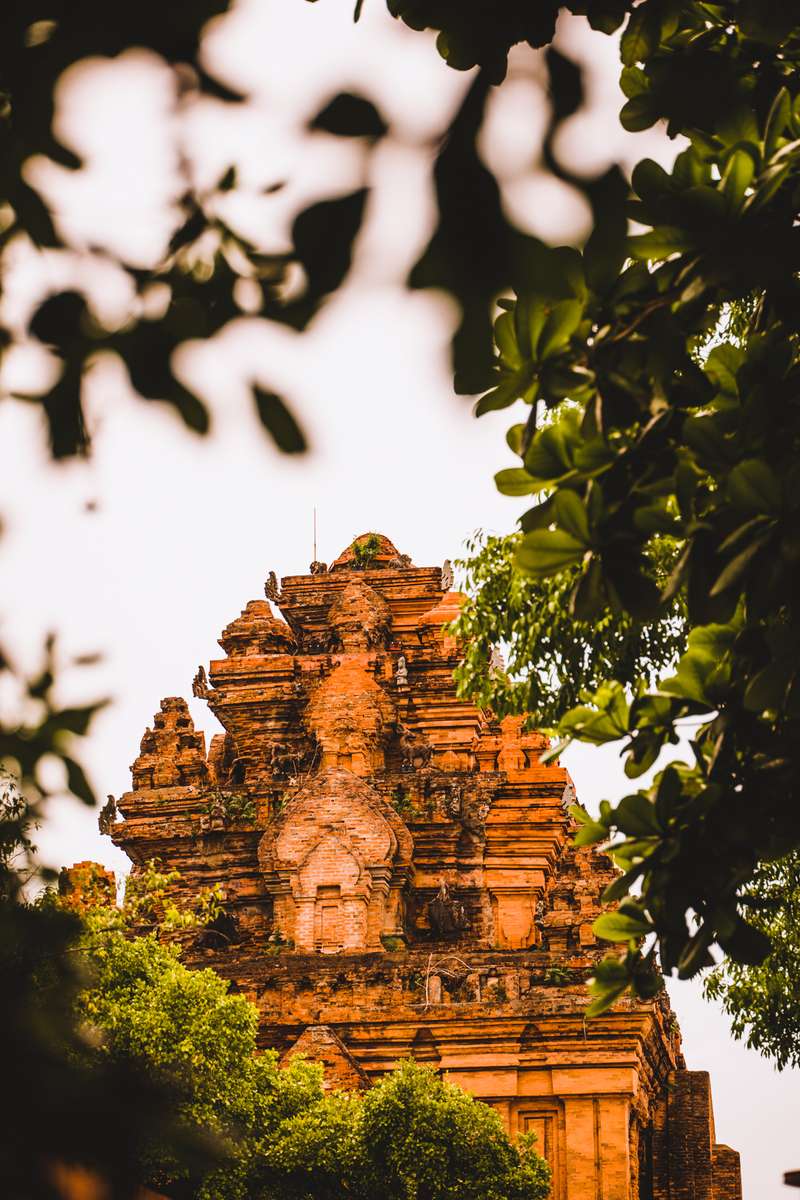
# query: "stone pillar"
{"points": [[597, 1148], [727, 1173], [687, 1164]]}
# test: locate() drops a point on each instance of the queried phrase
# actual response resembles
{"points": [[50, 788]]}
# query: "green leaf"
{"points": [[559, 327], [506, 339], [738, 176], [695, 955], [622, 885], [636, 815], [621, 926], [571, 515], [545, 551], [753, 487], [554, 753], [639, 113], [767, 689], [641, 36], [650, 180], [610, 981], [590, 833], [275, 417], [660, 243], [779, 116], [510, 388], [633, 82], [348, 115], [736, 568], [722, 365], [515, 481], [77, 782], [745, 943]]}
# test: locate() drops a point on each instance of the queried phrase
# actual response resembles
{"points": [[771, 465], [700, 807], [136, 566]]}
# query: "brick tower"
{"points": [[399, 879]]}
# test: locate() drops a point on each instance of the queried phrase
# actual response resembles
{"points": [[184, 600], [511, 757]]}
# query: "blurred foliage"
{"points": [[763, 1000], [67, 1104], [196, 280], [663, 437], [411, 1134], [35, 728], [552, 659]]}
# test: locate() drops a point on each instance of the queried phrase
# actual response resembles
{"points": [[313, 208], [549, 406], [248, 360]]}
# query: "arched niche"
{"points": [[335, 861]]}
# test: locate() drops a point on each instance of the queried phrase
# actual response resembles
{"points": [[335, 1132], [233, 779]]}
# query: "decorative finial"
{"points": [[200, 686], [447, 576], [108, 815], [271, 589]]}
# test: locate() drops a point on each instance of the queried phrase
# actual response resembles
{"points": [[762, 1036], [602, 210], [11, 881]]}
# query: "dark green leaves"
{"points": [[276, 417], [347, 115]]}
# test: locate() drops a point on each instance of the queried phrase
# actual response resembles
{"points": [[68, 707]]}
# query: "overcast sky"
{"points": [[148, 550]]}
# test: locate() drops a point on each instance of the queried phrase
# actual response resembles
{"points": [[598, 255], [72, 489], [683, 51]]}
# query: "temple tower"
{"points": [[399, 879]]}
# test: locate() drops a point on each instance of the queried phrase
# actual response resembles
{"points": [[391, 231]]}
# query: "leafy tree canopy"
{"points": [[657, 441], [763, 1001], [553, 659], [412, 1134]]}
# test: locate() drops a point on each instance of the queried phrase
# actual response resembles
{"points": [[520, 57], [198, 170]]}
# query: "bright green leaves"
{"points": [[606, 720], [614, 976], [624, 925], [545, 552]]}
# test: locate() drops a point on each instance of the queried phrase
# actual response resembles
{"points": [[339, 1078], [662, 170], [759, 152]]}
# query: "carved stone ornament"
{"points": [[201, 688], [446, 914], [271, 589], [415, 749]]}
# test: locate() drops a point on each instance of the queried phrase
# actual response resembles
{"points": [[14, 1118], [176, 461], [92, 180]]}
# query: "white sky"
{"points": [[185, 530]]}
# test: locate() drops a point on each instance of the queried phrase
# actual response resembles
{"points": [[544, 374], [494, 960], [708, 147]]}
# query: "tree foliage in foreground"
{"points": [[656, 443], [412, 1134], [207, 258], [763, 1001], [66, 1103], [552, 658]]}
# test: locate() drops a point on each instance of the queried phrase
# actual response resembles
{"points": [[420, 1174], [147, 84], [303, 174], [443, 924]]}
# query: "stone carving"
{"points": [[496, 662], [257, 631], [401, 673], [271, 589], [447, 576], [172, 753], [415, 749], [336, 860], [215, 815], [317, 568], [201, 689], [282, 759], [359, 619], [107, 816], [453, 802], [446, 914]]}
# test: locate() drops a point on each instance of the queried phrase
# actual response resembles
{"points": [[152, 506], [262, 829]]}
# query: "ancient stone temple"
{"points": [[399, 879]]}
